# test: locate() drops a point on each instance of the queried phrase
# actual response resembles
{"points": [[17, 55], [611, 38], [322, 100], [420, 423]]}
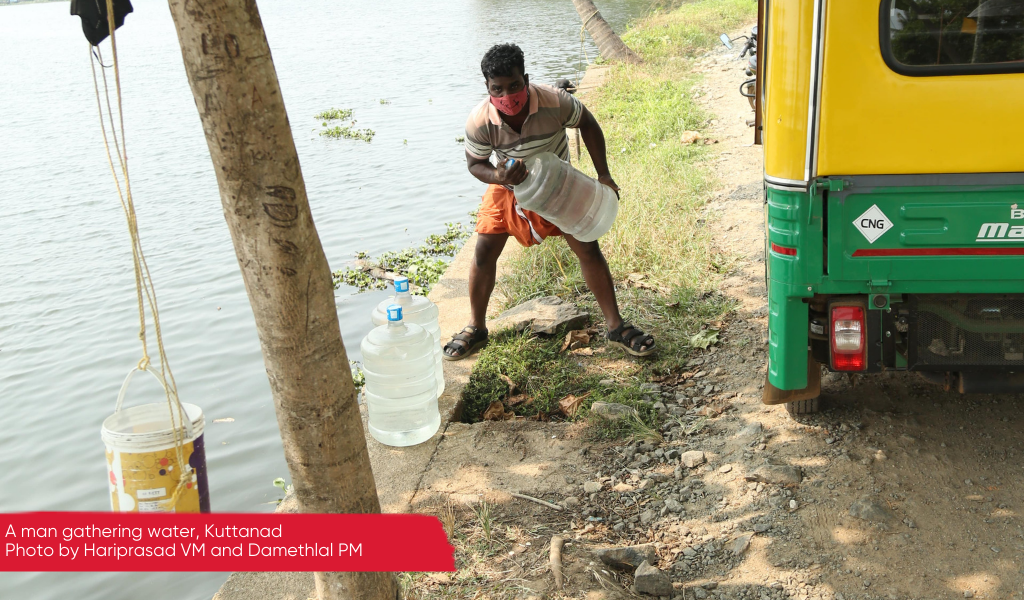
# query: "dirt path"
{"points": [[739, 500]]}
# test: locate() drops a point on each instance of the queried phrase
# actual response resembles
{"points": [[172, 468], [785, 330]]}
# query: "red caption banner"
{"points": [[83, 541]]}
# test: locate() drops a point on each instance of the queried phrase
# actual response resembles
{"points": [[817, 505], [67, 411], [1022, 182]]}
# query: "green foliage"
{"points": [[358, 377], [385, 101], [421, 265], [334, 114], [351, 133], [694, 25], [285, 488]]}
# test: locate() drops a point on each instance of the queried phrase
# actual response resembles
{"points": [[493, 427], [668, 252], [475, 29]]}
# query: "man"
{"points": [[519, 120]]}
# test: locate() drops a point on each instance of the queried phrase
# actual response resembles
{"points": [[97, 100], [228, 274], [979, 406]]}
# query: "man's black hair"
{"points": [[501, 61]]}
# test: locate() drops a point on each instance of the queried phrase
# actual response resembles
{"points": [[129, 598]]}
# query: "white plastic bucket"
{"points": [[142, 464]]}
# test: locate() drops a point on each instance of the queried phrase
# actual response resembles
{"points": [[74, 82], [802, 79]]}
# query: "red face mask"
{"points": [[511, 104]]}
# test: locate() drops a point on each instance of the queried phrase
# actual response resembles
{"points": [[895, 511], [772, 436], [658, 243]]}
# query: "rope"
{"points": [[145, 291]]}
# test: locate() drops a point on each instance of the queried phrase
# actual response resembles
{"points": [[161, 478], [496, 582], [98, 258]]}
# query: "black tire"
{"points": [[803, 407]]}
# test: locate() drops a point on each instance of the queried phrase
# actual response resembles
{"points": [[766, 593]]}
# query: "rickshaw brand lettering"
{"points": [[997, 232]]}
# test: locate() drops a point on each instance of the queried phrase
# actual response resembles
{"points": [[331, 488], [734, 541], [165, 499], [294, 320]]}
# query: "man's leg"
{"points": [[482, 273], [481, 283], [599, 280]]}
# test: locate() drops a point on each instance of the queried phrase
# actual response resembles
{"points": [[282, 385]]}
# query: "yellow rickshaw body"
{"points": [[894, 190]]}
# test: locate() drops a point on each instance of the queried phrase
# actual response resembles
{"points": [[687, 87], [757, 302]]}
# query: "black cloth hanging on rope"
{"points": [[94, 17]]}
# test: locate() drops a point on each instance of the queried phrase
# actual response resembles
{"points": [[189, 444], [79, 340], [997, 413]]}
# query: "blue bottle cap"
{"points": [[401, 284], [395, 312]]}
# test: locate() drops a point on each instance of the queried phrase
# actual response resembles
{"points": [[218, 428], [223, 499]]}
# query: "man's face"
{"points": [[503, 86]]}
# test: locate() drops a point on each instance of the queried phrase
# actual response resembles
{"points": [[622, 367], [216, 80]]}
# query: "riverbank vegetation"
{"points": [[423, 265], [660, 252]]}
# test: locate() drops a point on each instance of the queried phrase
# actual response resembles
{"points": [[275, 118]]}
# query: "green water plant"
{"points": [[334, 114], [422, 265], [351, 133]]}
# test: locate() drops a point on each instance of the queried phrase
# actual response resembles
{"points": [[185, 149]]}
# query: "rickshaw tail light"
{"points": [[783, 250], [849, 352]]}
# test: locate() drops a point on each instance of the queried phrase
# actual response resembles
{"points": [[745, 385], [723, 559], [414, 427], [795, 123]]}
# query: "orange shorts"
{"points": [[499, 213]]}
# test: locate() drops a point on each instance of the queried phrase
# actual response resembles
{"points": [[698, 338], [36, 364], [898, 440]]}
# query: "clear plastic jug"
{"points": [[401, 385], [418, 310], [578, 205]]}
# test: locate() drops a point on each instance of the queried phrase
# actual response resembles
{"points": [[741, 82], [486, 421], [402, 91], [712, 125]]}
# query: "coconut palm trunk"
{"points": [[286, 275], [610, 45]]}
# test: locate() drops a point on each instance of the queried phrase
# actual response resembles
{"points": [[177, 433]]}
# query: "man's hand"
{"points": [[513, 175], [608, 181]]}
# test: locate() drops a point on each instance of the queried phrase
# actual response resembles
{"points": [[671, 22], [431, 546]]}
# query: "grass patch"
{"points": [[689, 28], [541, 373]]}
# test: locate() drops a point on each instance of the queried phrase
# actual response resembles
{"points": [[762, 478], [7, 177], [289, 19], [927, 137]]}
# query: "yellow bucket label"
{"points": [[145, 481]]}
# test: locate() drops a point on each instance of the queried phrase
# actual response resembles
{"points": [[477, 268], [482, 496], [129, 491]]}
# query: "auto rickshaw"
{"points": [[893, 136]]}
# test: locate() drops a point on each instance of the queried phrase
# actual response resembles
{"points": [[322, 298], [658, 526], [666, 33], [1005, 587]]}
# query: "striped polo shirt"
{"points": [[551, 111]]}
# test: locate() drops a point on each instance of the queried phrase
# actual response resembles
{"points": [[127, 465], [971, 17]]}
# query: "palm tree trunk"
{"points": [[608, 43], [286, 275]]}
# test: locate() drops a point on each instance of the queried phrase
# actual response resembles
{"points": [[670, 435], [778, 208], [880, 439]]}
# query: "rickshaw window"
{"points": [[952, 37]]}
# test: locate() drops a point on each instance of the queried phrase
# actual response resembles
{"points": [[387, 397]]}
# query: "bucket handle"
{"points": [[163, 384]]}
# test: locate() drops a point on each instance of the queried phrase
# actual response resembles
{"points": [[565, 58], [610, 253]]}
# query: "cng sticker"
{"points": [[872, 224]]}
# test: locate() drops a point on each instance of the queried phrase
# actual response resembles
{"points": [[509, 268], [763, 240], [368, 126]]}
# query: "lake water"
{"points": [[67, 301]]}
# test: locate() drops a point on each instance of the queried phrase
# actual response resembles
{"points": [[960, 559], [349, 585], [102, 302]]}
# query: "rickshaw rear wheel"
{"points": [[804, 407]]}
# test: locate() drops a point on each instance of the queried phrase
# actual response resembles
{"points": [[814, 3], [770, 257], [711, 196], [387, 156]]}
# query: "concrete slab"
{"points": [[397, 471]]}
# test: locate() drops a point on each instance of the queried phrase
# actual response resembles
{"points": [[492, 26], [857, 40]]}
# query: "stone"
{"points": [[674, 505], [692, 458], [592, 487], [649, 579], [750, 432], [543, 315], [672, 454], [777, 474], [968, 594], [869, 510], [739, 544], [627, 557], [612, 411], [571, 502], [660, 407], [647, 516], [761, 527], [699, 593], [622, 487], [725, 469]]}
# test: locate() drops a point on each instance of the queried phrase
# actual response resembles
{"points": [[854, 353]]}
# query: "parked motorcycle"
{"points": [[748, 87]]}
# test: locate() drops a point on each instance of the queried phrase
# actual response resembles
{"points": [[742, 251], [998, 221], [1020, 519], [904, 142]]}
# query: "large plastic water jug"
{"points": [[401, 385], [578, 205], [418, 310]]}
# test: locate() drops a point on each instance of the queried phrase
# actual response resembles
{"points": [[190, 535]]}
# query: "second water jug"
{"points": [[415, 309], [580, 206], [401, 389]]}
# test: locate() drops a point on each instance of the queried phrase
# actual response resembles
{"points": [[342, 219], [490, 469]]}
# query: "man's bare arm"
{"points": [[593, 137], [483, 170]]}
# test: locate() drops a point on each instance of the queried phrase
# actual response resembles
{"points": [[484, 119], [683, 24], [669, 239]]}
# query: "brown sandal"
{"points": [[472, 339]]}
